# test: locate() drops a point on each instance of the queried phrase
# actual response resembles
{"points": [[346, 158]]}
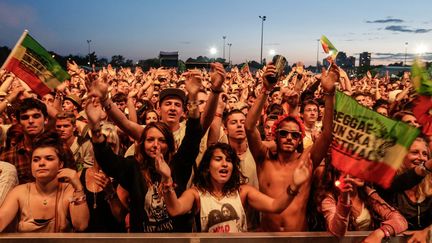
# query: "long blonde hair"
{"points": [[424, 188]]}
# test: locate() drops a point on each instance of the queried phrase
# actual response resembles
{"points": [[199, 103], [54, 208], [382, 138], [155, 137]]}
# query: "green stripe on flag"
{"points": [[45, 58], [328, 47], [421, 79], [381, 130]]}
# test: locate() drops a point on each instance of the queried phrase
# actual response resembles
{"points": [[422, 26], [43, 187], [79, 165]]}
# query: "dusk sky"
{"points": [[140, 29]]}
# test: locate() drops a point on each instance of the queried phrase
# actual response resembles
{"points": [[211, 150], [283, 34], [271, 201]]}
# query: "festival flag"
{"points": [[245, 68], [421, 79], [30, 62], [423, 103], [366, 144], [328, 47]]}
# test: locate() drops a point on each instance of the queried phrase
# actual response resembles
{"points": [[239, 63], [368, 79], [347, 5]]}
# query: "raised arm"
{"points": [[131, 106], [175, 206], [264, 203], [99, 88], [217, 76], [256, 146], [320, 147]]}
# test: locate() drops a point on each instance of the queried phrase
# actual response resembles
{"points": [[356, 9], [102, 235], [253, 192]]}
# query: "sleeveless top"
{"points": [[101, 218], [363, 221], [225, 215], [29, 224], [157, 219]]}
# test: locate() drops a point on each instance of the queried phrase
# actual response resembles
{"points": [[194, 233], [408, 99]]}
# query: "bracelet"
{"points": [[216, 91], [218, 115], [386, 233], [328, 93], [77, 200], [168, 187], [292, 192]]}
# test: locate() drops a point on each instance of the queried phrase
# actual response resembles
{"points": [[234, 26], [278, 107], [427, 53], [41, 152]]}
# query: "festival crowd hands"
{"points": [[237, 86]]}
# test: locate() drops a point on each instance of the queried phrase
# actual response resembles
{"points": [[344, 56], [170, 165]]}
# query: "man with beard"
{"points": [[275, 168]]}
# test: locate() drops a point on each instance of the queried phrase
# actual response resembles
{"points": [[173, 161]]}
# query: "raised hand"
{"points": [[270, 71], [70, 176], [103, 181], [328, 79], [72, 66], [94, 113], [99, 88], [161, 166], [193, 81], [132, 93], [217, 75]]}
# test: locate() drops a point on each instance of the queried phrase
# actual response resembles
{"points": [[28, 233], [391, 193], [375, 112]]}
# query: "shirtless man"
{"points": [[275, 169]]}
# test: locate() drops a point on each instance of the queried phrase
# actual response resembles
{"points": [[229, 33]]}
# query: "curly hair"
{"points": [[202, 179]]}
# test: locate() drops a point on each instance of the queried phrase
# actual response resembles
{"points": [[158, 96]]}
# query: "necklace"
{"points": [[94, 189], [47, 197], [94, 197]]}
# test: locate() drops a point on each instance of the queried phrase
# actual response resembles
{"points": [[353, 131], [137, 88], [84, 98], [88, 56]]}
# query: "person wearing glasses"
{"points": [[275, 169]]}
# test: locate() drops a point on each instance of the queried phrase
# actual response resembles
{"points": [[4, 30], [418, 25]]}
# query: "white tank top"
{"points": [[225, 215]]}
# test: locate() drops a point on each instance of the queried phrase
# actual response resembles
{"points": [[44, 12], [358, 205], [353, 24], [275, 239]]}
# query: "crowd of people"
{"points": [[208, 150]]}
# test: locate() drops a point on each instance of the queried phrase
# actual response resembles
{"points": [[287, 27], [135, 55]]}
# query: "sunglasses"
{"points": [[284, 133]]}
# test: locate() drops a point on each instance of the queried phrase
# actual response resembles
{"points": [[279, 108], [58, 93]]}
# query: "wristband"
{"points": [[215, 91], [328, 93]]}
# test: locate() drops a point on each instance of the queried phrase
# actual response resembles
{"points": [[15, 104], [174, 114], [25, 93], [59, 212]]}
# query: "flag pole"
{"points": [[11, 54]]}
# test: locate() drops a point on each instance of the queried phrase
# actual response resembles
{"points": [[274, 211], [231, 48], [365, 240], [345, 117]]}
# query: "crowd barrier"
{"points": [[251, 237]]}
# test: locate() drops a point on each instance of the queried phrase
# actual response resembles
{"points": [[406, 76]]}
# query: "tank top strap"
{"points": [[83, 178]]}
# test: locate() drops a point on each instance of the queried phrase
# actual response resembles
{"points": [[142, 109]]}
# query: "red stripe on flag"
{"points": [[27, 76], [377, 172]]}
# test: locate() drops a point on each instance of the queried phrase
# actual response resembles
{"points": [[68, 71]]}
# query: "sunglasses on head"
{"points": [[284, 133]]}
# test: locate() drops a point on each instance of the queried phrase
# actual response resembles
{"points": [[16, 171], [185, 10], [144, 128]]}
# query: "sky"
{"points": [[140, 29]]}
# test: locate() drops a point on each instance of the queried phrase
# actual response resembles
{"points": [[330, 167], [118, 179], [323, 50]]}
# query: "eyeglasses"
{"points": [[284, 133]]}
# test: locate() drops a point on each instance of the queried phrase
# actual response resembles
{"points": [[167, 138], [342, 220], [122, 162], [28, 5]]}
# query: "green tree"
{"points": [[117, 61]]}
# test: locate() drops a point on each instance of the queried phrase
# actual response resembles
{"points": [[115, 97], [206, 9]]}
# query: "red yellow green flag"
{"points": [[421, 79], [423, 102], [366, 144], [328, 47], [30, 62]]}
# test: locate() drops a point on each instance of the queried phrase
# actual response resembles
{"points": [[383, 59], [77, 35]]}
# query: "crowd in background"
{"points": [[215, 149]]}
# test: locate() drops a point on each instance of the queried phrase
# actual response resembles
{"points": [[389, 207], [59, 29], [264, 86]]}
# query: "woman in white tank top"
{"points": [[219, 191]]}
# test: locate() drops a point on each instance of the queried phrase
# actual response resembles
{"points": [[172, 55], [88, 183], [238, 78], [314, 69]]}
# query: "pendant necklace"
{"points": [[94, 192], [94, 197]]}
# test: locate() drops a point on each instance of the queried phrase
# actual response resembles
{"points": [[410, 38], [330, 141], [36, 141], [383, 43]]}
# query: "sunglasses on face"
{"points": [[284, 133]]}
